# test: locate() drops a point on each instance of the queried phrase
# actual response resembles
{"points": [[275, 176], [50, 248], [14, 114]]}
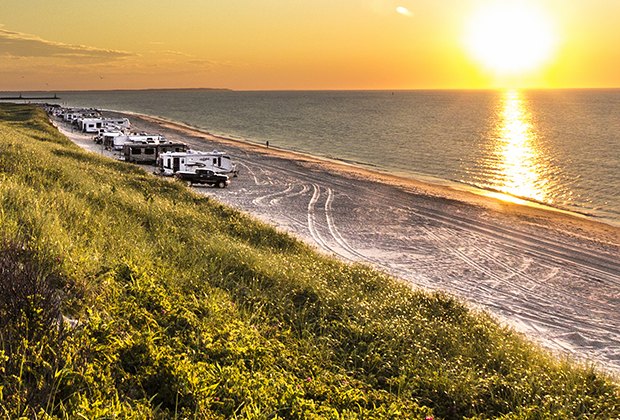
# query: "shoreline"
{"points": [[493, 200]]}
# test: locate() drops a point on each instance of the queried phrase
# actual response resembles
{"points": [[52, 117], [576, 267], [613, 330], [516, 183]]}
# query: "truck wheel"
{"points": [[221, 184]]}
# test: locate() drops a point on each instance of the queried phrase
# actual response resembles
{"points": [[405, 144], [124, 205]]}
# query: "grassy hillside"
{"points": [[124, 295]]}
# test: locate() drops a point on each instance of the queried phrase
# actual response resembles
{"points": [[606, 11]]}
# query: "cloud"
{"points": [[20, 45], [174, 53], [176, 58], [402, 10]]}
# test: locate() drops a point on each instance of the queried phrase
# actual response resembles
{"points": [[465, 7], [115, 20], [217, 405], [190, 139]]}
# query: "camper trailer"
{"points": [[94, 125], [189, 161], [148, 152], [106, 137], [141, 138], [72, 115], [140, 153]]}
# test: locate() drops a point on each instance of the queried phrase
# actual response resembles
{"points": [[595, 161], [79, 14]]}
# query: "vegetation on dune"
{"points": [[125, 295]]}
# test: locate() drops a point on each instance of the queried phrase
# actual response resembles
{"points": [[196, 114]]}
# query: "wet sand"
{"points": [[552, 275]]}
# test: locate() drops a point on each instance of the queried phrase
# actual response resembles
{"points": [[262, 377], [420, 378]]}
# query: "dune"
{"points": [[553, 275]]}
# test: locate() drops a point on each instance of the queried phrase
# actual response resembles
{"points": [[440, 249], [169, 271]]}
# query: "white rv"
{"points": [[94, 125], [219, 162], [148, 152], [73, 114], [142, 138], [107, 137]]}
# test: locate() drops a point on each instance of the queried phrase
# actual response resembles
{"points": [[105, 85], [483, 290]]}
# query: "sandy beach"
{"points": [[552, 275]]}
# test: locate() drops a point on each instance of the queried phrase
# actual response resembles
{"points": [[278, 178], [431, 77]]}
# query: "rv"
{"points": [[72, 115], [148, 152], [54, 110], [94, 125], [189, 161], [140, 153], [141, 138], [107, 137]]}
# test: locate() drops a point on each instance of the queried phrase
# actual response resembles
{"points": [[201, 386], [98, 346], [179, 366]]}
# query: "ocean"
{"points": [[560, 148]]}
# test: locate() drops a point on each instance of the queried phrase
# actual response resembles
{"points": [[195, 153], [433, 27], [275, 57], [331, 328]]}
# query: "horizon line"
{"points": [[311, 90]]}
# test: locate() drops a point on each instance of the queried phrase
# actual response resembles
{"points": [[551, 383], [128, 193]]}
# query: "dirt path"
{"points": [[553, 276]]}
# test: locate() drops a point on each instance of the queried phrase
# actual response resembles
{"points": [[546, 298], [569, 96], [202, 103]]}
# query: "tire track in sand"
{"points": [[534, 244], [259, 200], [312, 223]]}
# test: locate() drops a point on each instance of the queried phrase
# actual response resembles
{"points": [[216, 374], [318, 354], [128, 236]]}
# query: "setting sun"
{"points": [[510, 39]]}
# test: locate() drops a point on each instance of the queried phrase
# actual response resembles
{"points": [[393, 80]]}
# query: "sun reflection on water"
{"points": [[517, 151]]}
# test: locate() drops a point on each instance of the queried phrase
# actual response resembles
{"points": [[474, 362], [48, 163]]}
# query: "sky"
{"points": [[308, 44]]}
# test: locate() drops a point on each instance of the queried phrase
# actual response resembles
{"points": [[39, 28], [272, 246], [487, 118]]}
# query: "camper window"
{"points": [[136, 151], [149, 151]]}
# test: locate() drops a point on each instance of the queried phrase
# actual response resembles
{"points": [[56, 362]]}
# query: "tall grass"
{"points": [[137, 298]]}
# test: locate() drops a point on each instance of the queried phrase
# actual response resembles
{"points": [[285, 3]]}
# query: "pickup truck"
{"points": [[203, 176]]}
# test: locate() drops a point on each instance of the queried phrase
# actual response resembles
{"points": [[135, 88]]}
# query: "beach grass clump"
{"points": [[124, 295]]}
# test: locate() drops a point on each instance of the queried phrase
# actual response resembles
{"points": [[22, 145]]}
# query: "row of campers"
{"points": [[70, 115], [175, 158], [88, 120], [170, 158]]}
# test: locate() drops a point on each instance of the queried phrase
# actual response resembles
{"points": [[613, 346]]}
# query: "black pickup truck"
{"points": [[203, 176]]}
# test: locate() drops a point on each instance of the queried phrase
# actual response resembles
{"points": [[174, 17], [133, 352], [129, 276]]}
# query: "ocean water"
{"points": [[556, 147]]}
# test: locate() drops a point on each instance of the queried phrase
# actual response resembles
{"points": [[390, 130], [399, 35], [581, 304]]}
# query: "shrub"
{"points": [[31, 331], [29, 293]]}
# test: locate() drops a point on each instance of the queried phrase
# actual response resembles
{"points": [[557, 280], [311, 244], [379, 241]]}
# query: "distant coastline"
{"points": [[224, 89], [28, 98], [115, 90]]}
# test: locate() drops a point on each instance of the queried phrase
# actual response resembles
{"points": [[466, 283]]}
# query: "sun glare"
{"points": [[510, 39]]}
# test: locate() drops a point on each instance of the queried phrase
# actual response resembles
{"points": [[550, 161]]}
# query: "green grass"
{"points": [[190, 309]]}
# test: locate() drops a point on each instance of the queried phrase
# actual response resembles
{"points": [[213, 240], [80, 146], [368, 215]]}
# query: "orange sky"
{"points": [[288, 44]]}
